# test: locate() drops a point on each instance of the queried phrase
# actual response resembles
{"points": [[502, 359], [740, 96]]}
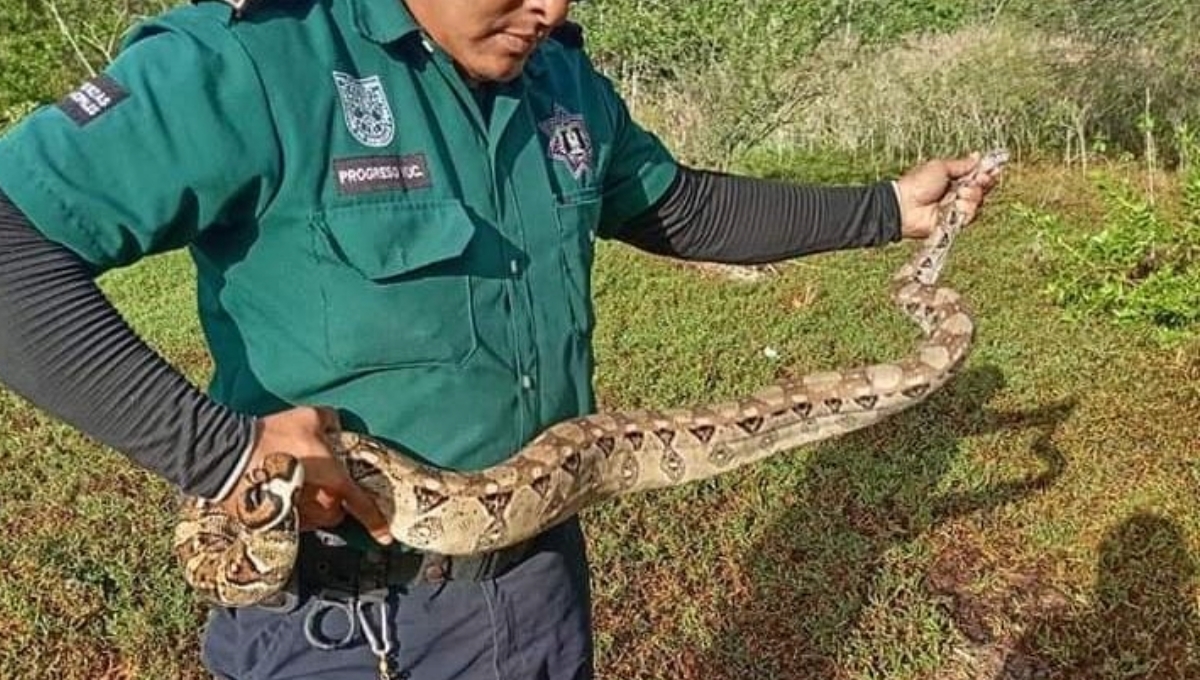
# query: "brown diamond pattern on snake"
{"points": [[427, 500], [635, 439], [803, 409], [751, 425], [553, 506], [665, 436], [672, 465], [833, 404], [496, 503], [360, 469], [607, 444], [541, 485], [916, 391], [571, 463], [867, 401], [704, 433]]}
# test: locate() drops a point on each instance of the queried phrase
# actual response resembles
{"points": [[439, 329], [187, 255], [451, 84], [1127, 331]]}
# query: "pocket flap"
{"points": [[388, 239]]}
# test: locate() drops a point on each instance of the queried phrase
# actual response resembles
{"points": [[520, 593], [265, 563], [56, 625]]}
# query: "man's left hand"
{"points": [[922, 188]]}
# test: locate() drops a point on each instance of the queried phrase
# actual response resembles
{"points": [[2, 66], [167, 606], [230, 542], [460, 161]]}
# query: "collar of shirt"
{"points": [[383, 21]]}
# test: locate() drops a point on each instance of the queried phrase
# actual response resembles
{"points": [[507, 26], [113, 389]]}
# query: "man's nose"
{"points": [[551, 13]]}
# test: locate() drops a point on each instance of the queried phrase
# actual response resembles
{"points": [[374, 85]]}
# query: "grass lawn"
{"points": [[1037, 518]]}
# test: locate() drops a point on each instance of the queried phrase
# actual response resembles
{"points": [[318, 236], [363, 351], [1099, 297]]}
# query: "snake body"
{"points": [[244, 560]]}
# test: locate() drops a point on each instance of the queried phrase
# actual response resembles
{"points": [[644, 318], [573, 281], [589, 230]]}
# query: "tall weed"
{"points": [[716, 77], [1142, 268], [906, 79]]}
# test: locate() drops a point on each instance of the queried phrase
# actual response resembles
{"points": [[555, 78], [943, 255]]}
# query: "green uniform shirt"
{"points": [[369, 233]]}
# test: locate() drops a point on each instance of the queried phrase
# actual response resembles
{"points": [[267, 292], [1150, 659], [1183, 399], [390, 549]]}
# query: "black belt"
{"points": [[333, 570], [347, 569]]}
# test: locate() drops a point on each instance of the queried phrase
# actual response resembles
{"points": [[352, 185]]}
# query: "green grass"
{"points": [[1041, 512]]}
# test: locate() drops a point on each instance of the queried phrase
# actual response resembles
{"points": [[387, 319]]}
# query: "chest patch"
{"points": [[365, 106], [570, 142], [380, 173]]}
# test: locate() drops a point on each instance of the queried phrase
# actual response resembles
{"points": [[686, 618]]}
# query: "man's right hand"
{"points": [[328, 492]]}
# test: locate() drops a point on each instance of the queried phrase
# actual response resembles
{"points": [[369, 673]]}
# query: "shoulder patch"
{"points": [[569, 34], [92, 99]]}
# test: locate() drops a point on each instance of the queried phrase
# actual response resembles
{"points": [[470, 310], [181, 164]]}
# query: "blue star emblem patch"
{"points": [[570, 142]]}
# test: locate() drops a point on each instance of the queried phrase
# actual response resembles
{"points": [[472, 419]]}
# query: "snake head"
{"points": [[991, 163], [270, 499]]}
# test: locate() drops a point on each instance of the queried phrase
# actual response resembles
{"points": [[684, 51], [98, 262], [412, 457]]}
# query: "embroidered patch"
{"points": [[365, 106], [379, 173], [92, 99], [569, 141]]}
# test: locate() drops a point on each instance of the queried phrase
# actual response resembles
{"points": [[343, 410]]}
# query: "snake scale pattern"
{"points": [[245, 559]]}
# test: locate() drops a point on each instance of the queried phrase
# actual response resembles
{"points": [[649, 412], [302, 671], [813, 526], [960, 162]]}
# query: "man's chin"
{"points": [[500, 72]]}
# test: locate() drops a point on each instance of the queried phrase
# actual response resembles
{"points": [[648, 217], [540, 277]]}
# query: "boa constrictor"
{"points": [[243, 560]]}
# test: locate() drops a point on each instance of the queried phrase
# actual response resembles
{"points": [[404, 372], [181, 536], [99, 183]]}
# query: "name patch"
{"points": [[380, 173], [92, 99]]}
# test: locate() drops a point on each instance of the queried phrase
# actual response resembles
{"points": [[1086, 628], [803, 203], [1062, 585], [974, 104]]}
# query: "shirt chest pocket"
{"points": [[394, 283], [578, 218]]}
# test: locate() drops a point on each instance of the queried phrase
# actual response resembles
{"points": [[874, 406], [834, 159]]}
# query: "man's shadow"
{"points": [[862, 496], [1143, 622]]}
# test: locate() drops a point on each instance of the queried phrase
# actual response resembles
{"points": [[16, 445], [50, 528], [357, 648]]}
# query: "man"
{"points": [[391, 206]]}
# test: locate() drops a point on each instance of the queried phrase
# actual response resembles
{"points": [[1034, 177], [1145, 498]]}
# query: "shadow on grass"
{"points": [[1143, 622], [862, 497]]}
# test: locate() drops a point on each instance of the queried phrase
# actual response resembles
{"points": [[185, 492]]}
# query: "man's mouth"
{"points": [[521, 43]]}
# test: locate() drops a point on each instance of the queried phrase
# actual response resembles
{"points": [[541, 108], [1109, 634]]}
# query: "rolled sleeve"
{"points": [[641, 170]]}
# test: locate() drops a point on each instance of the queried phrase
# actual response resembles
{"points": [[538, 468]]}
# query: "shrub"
{"points": [[905, 79], [1142, 267]]}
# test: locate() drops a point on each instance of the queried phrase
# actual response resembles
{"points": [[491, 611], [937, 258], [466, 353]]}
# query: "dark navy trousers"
{"points": [[533, 622]]}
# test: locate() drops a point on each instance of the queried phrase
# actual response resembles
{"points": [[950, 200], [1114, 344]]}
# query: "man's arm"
{"points": [[65, 348], [722, 218], [206, 156], [740, 220]]}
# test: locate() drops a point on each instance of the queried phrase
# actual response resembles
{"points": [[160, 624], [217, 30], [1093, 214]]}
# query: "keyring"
{"points": [[312, 623]]}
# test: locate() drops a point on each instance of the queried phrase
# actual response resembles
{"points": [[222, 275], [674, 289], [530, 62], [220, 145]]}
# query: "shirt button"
{"points": [[514, 267], [527, 382]]}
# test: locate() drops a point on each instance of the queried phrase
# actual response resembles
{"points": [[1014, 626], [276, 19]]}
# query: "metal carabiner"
{"points": [[381, 644]]}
